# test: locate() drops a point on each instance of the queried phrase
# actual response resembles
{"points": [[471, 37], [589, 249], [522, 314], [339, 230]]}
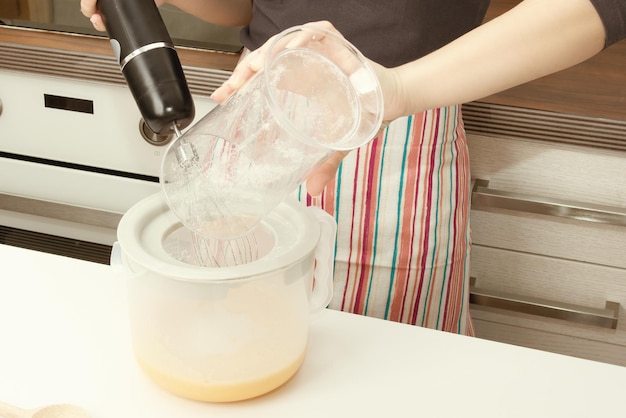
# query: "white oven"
{"points": [[74, 152]]}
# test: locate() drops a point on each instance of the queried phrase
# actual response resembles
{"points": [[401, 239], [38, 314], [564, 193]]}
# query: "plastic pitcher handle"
{"points": [[324, 261]]}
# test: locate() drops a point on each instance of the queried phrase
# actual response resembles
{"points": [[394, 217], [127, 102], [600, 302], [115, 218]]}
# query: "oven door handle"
{"points": [[60, 211]]}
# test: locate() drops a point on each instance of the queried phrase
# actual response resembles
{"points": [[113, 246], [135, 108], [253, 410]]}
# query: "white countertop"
{"points": [[64, 338]]}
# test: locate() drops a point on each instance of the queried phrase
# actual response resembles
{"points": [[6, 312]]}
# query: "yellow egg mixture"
{"points": [[223, 347], [220, 392]]}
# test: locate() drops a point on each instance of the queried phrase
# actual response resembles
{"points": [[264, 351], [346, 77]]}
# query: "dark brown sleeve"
{"points": [[613, 15]]}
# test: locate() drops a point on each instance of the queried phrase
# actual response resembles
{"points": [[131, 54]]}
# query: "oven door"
{"points": [[73, 152]]}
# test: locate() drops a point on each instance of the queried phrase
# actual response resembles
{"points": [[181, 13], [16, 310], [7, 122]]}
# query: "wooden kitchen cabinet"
{"points": [[562, 260], [559, 139]]}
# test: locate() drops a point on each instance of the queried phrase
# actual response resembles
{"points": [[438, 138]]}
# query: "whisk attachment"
{"points": [[223, 250], [187, 155], [212, 252]]}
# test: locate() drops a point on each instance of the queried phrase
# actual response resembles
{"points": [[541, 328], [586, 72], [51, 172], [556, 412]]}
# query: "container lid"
{"points": [[149, 235]]}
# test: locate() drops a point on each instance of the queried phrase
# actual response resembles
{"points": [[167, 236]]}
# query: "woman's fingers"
{"points": [[322, 175], [244, 71], [97, 22], [254, 62], [89, 8], [246, 68]]}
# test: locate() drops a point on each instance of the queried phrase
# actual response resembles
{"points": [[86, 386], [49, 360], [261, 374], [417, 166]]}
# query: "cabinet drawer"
{"points": [[558, 171], [544, 250], [490, 329], [553, 279], [551, 236]]}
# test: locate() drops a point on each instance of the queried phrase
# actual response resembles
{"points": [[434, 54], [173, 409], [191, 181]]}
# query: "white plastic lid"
{"points": [[285, 236]]}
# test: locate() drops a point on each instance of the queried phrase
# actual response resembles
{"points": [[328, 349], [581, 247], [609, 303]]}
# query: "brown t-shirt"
{"points": [[390, 32], [613, 15], [393, 32]]}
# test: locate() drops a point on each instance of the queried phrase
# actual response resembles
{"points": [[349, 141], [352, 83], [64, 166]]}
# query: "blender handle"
{"points": [[149, 63], [324, 261]]}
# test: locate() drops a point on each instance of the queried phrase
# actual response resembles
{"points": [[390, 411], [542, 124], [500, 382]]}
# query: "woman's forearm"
{"points": [[534, 39], [219, 12]]}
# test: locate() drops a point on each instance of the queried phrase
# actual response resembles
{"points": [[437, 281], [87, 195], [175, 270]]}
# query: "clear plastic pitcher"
{"points": [[315, 95]]}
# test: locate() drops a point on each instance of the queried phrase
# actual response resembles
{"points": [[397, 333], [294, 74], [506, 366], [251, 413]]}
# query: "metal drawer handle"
{"points": [[604, 318], [61, 211], [485, 198]]}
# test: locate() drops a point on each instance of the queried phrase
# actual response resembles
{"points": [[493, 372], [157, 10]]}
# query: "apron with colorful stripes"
{"points": [[402, 210]]}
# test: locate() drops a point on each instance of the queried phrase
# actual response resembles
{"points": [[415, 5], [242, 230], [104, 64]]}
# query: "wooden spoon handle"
{"points": [[10, 411]]}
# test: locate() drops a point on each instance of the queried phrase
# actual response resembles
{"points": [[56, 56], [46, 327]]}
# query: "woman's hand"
{"points": [[89, 8], [254, 62]]}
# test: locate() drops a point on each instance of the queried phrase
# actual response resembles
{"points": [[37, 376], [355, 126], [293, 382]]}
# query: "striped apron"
{"points": [[402, 209]]}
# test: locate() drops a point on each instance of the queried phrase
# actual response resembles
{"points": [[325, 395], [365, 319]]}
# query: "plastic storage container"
{"points": [[230, 333]]}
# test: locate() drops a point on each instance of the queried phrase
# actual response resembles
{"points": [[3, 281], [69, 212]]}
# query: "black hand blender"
{"points": [[149, 63]]}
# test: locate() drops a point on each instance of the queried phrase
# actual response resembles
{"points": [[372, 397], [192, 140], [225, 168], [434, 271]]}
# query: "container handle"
{"points": [[117, 263], [116, 259], [322, 291]]}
